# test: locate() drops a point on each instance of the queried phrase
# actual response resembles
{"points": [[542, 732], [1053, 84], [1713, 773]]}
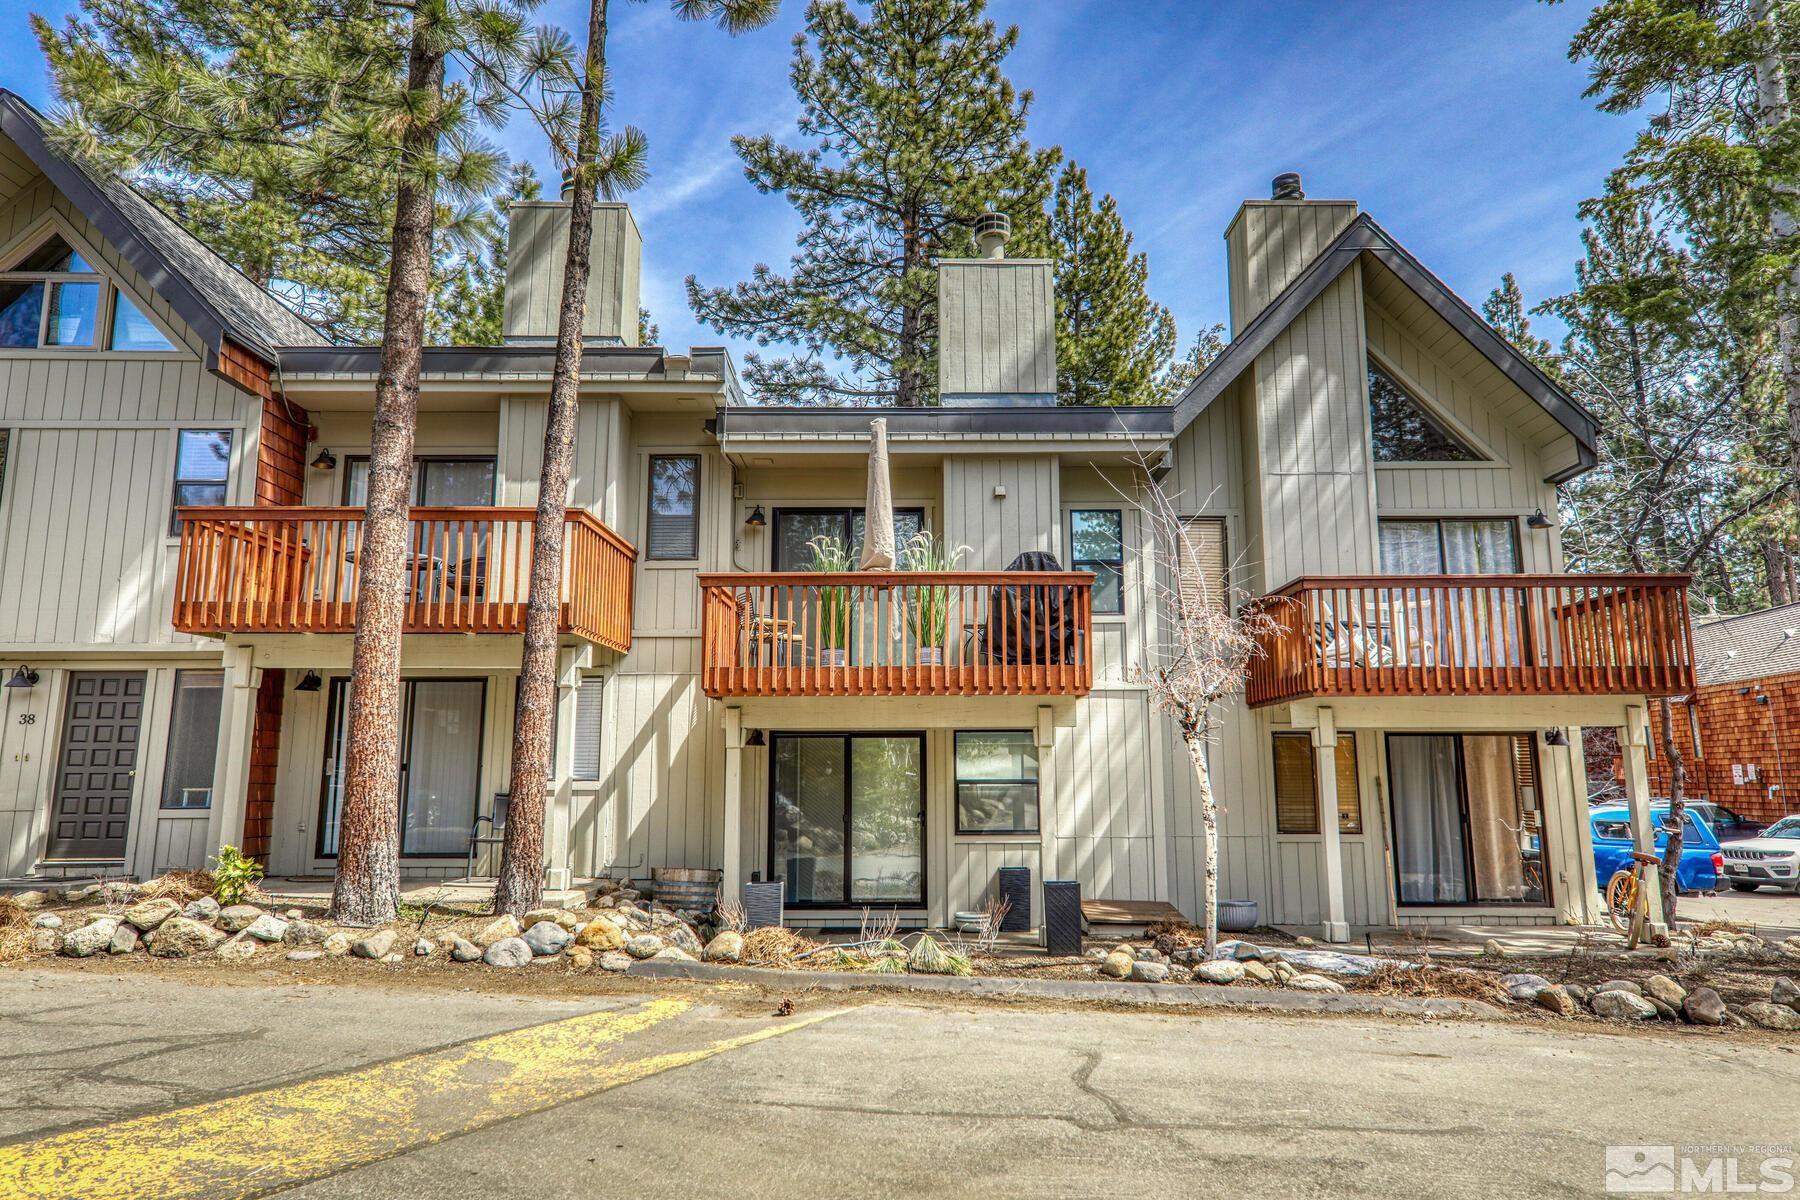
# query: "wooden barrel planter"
{"points": [[686, 889]]}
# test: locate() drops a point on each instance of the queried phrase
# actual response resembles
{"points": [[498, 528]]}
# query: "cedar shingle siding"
{"points": [[1735, 729]]}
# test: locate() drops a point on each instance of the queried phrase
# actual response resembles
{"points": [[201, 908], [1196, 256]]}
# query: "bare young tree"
{"points": [[1199, 658]]}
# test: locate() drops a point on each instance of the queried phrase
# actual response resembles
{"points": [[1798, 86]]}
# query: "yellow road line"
{"points": [[252, 1144]]}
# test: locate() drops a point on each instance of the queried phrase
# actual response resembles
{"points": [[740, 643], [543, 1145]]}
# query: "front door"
{"points": [[1466, 816], [91, 811], [847, 818]]}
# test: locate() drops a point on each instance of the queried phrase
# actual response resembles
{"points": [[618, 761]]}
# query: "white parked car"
{"points": [[1771, 858]]}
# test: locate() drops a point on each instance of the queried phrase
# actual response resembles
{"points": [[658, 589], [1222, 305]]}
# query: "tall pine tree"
{"points": [[1113, 344], [1505, 311], [915, 131]]}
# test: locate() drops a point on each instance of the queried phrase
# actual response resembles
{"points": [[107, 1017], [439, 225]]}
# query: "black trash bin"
{"points": [[1015, 889], [1062, 916]]}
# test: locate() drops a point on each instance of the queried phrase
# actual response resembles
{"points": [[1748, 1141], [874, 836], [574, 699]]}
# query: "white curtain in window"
{"points": [[443, 766], [1428, 834]]}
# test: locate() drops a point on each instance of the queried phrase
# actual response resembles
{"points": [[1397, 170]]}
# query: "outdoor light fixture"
{"points": [[327, 461], [309, 682], [755, 520], [24, 677], [1538, 520], [1555, 737], [755, 738]]}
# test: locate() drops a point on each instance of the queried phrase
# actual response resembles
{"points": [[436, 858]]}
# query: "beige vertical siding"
{"points": [[996, 328], [537, 245], [1104, 799], [1271, 242], [667, 773], [520, 448], [998, 529]]}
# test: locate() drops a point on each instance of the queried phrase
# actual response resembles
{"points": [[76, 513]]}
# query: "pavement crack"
{"points": [[1083, 1079]]}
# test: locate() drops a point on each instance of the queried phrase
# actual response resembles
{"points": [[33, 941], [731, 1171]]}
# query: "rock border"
{"points": [[1163, 995]]}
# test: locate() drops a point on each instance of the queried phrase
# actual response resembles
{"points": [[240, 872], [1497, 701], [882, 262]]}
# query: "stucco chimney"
{"points": [[537, 240], [1271, 241], [996, 325]]}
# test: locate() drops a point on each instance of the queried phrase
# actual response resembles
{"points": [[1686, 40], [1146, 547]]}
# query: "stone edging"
{"points": [[1147, 994]]}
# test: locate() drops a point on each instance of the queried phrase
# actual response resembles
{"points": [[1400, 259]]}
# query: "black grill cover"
{"points": [[1035, 625]]}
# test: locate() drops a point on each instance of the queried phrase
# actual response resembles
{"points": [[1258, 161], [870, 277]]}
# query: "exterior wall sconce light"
{"points": [[24, 677], [1538, 520], [309, 682], [1555, 737], [756, 738], [755, 520], [326, 461]]}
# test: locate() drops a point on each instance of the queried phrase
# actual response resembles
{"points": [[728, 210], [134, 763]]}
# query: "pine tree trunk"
{"points": [[1677, 809], [908, 381], [1772, 108], [521, 883], [1195, 739], [366, 890], [1775, 571]]}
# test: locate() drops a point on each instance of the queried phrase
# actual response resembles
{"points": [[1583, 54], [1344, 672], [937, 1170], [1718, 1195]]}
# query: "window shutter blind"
{"points": [[674, 518], [1348, 797], [587, 727], [1203, 561], [1296, 800]]}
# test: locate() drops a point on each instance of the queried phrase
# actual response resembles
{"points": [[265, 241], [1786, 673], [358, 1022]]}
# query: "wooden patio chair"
{"points": [[778, 635]]}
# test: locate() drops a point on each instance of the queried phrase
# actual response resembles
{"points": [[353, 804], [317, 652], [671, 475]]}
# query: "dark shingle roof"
{"points": [[211, 295], [1752, 646]]}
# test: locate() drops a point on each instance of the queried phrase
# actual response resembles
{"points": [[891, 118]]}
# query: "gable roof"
{"points": [[208, 293], [1750, 646], [1364, 236]]}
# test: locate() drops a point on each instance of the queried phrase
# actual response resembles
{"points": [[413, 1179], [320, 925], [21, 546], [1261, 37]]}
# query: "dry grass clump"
{"points": [[1392, 979], [179, 886], [1706, 928], [1170, 936], [774, 946], [15, 930]]}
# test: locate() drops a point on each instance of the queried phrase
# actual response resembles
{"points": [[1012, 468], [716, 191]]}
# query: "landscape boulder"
{"points": [[1523, 986], [580, 958], [1555, 998], [1772, 1016], [502, 927], [644, 945], [267, 928], [601, 934], [422, 948], [148, 914], [31, 899], [673, 954], [508, 952], [1619, 1004], [337, 945], [204, 910], [1308, 982], [46, 941], [1661, 987], [1223, 971], [241, 946], [1704, 1006], [615, 961], [46, 921], [1258, 972], [1149, 970], [238, 917], [727, 947], [558, 916], [376, 945], [178, 937], [1619, 985], [90, 939], [1785, 991], [463, 950], [546, 938], [124, 940], [304, 955], [303, 933], [682, 937], [1118, 964]]}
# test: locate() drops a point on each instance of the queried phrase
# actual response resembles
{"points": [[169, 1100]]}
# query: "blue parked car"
{"points": [[1701, 861]]}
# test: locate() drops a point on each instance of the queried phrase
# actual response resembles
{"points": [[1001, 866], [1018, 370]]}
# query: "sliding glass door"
{"points": [[1466, 816], [847, 817], [440, 765]]}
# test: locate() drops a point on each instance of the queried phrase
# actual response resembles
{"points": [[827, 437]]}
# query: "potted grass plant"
{"points": [[927, 606], [836, 601]]}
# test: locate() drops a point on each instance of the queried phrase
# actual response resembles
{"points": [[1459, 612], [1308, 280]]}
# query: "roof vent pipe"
{"points": [[1287, 186], [992, 229]]}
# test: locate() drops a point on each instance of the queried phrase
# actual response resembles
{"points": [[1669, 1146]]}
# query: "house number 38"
{"points": [[28, 718]]}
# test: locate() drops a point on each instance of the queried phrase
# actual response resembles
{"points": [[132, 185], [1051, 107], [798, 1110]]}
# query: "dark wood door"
{"points": [[98, 768]]}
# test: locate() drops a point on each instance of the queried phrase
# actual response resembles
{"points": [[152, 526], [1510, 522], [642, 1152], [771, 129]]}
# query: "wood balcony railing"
{"points": [[297, 570], [898, 633], [1473, 635]]}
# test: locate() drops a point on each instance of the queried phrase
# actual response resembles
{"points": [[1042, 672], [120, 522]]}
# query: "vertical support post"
{"points": [[1047, 865], [1331, 849], [231, 769], [1634, 747], [559, 814], [732, 879]]}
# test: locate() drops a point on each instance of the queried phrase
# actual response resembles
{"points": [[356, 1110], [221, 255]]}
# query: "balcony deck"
{"points": [[298, 570], [898, 633], [1473, 635]]}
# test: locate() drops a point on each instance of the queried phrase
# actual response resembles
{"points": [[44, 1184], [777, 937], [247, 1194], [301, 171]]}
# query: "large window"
{"points": [[674, 506], [447, 482], [996, 781], [1466, 814], [193, 739], [52, 297], [1097, 544], [589, 726], [795, 529], [1403, 430], [202, 466], [1297, 789], [1204, 568], [1484, 546]]}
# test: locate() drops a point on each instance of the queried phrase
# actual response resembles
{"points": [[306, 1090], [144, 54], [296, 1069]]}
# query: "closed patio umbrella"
{"points": [[878, 508]]}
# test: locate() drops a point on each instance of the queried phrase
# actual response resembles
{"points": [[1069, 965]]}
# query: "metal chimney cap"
{"points": [[992, 231], [1287, 186]]}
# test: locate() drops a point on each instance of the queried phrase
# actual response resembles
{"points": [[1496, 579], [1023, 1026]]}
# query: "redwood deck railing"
{"points": [[297, 570], [1473, 635], [898, 633]]}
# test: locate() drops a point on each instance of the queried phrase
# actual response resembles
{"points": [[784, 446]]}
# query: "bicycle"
{"points": [[1628, 900]]}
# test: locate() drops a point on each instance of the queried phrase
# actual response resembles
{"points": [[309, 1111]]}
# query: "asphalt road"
{"points": [[125, 1087]]}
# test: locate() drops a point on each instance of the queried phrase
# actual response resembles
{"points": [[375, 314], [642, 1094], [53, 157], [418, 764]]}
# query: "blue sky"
{"points": [[1460, 125]]}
